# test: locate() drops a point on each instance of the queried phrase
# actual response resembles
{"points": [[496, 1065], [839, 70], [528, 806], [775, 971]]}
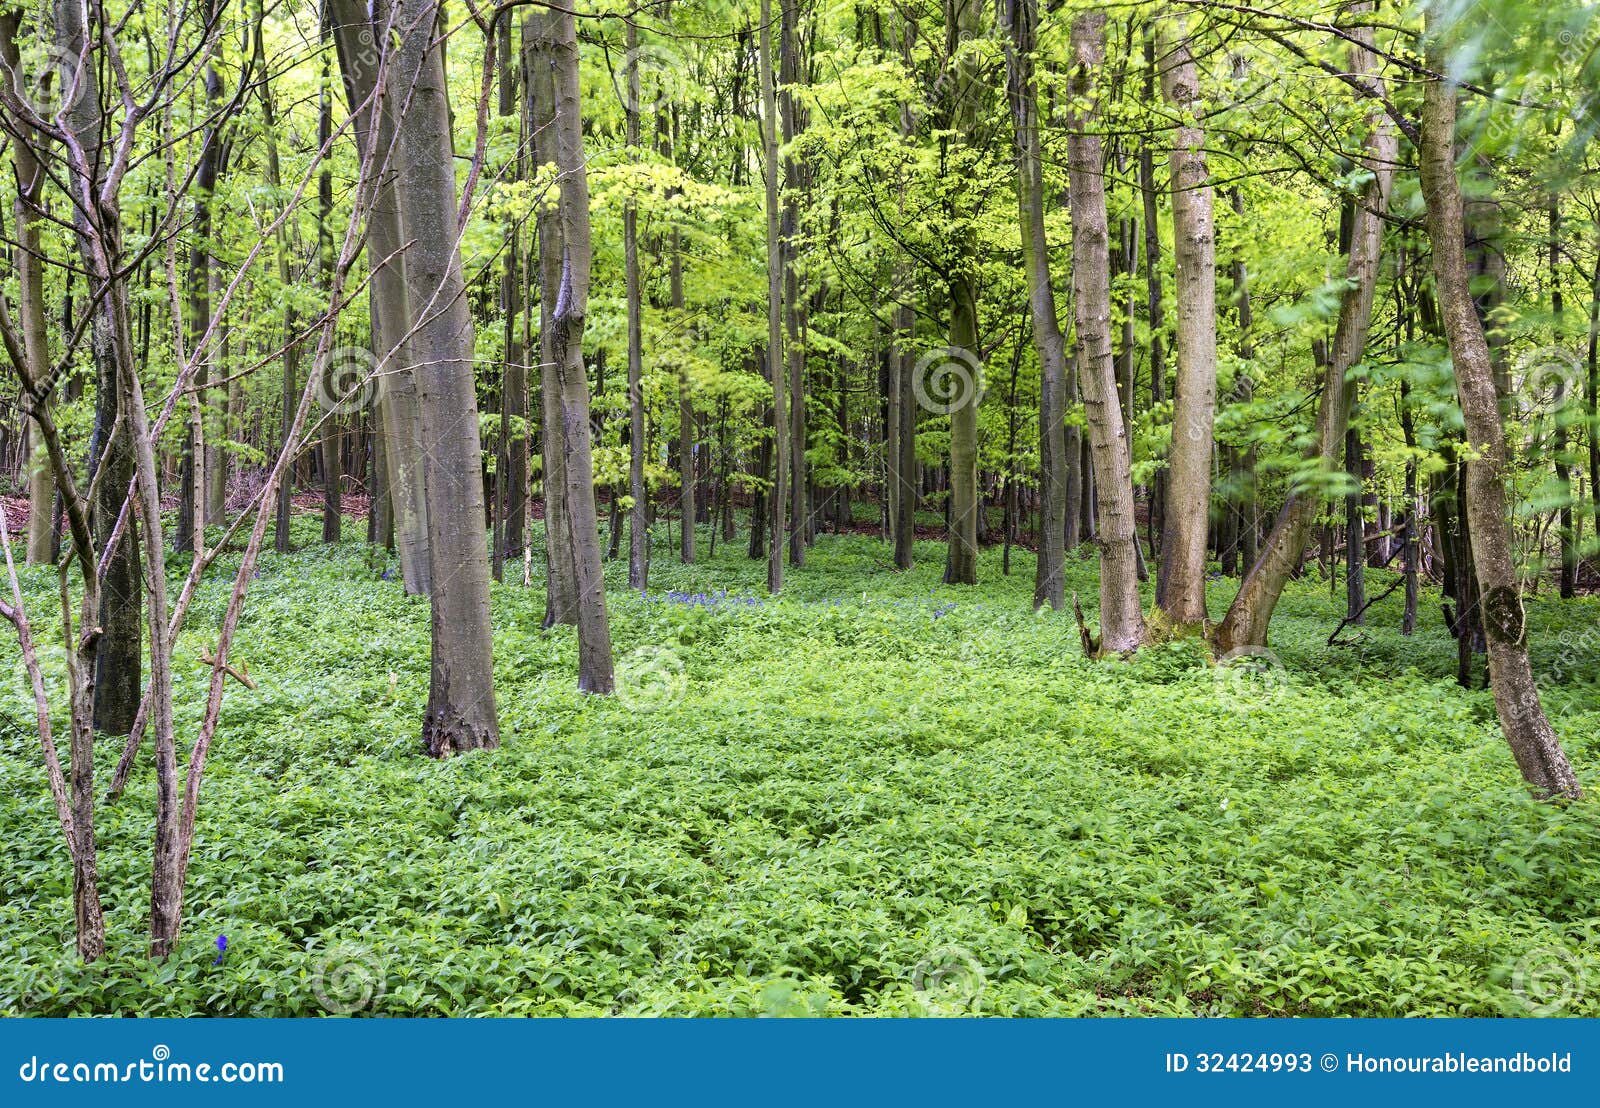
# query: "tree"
{"points": [[1049, 344], [30, 176], [1533, 741], [1250, 614], [461, 713], [1122, 625], [567, 321], [1181, 582], [775, 293]]}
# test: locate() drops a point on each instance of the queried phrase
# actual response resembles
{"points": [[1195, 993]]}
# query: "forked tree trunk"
{"points": [[1122, 626], [1181, 581], [1049, 585], [1250, 614], [461, 711], [1533, 741]]}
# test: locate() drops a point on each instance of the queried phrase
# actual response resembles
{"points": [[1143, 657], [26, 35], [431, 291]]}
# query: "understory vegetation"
{"points": [[875, 794]]}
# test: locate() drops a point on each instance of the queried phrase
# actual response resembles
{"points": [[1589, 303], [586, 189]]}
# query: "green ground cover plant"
{"points": [[874, 795]]}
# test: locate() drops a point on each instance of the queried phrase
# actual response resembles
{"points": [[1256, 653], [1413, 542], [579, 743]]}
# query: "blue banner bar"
{"points": [[928, 1062]]}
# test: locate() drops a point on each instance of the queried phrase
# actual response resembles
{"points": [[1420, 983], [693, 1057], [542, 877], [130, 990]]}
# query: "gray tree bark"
{"points": [[776, 497], [1181, 581], [358, 37], [579, 515], [461, 713], [1122, 626], [1250, 614], [1050, 344], [1533, 741], [30, 179]]}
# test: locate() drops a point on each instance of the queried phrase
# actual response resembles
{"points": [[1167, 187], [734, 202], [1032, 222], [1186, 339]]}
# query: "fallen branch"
{"points": [[1348, 620]]}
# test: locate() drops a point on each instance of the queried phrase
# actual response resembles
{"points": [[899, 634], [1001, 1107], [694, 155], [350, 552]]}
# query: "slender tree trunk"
{"points": [[561, 585], [290, 394], [686, 435], [1562, 437], [963, 23], [1181, 584], [776, 497], [1155, 309], [579, 515], [194, 494], [790, 75], [1122, 626], [30, 179], [1250, 613], [1355, 545], [1533, 742], [461, 713], [638, 514], [511, 468], [332, 429], [1051, 346]]}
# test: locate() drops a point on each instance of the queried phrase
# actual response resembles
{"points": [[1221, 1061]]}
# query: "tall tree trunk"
{"points": [[290, 393], [790, 75], [511, 469], [776, 494], [1155, 310], [194, 494], [963, 24], [638, 514], [1250, 613], [1533, 742], [1051, 346], [1122, 626], [1562, 438], [686, 435], [561, 585], [399, 402], [461, 713], [332, 432], [30, 179], [1181, 582], [1355, 539], [579, 515]]}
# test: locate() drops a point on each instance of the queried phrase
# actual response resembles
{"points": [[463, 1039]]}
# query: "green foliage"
{"points": [[875, 795]]}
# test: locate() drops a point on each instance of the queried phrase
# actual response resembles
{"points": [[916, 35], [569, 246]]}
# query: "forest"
{"points": [[800, 507]]}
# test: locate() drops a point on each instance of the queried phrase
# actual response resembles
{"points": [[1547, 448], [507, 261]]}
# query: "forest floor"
{"points": [[875, 795]]}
